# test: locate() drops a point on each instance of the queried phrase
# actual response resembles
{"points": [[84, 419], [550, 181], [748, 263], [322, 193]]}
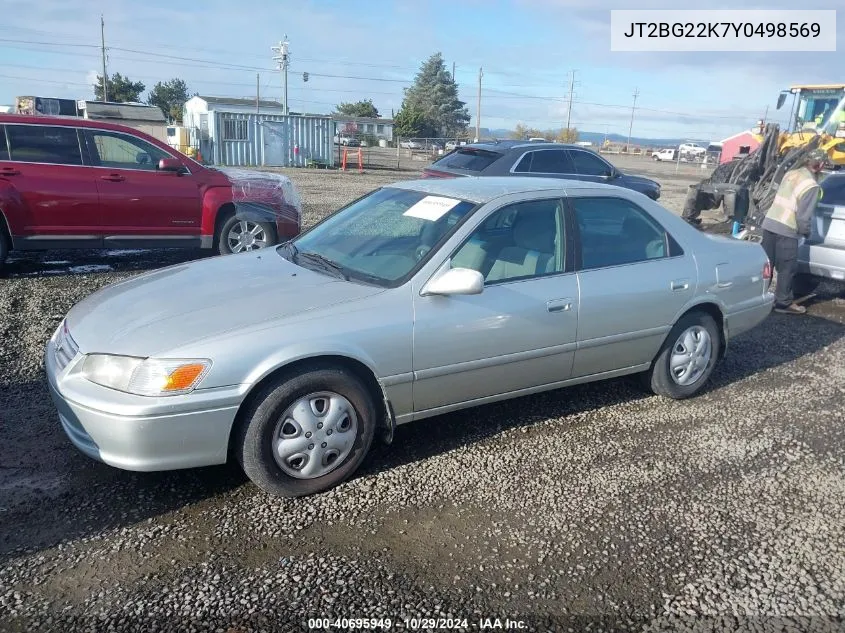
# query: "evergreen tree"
{"points": [[121, 89], [410, 122], [170, 96], [434, 94]]}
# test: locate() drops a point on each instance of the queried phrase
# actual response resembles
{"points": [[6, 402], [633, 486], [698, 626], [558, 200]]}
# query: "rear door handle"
{"points": [[559, 305], [680, 284], [9, 171], [113, 177]]}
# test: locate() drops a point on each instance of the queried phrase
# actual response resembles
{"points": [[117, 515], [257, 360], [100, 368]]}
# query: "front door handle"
{"points": [[9, 171], [113, 177], [680, 284], [559, 305]]}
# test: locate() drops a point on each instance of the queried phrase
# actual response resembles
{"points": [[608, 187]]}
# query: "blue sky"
{"points": [[373, 49]]}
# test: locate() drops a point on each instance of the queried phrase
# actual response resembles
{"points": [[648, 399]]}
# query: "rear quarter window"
{"points": [[49, 144], [469, 159]]}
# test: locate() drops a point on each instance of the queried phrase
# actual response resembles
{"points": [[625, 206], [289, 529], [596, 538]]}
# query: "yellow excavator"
{"points": [[817, 110]]}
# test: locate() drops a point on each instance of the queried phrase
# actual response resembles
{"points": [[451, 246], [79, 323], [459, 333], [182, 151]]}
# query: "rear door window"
{"points": [[588, 164], [547, 161], [50, 144], [469, 159]]}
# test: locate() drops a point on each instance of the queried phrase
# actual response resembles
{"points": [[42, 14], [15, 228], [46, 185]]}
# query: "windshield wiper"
{"points": [[290, 250], [322, 263]]}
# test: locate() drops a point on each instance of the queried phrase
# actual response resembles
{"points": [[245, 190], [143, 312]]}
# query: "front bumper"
{"points": [[141, 433]]}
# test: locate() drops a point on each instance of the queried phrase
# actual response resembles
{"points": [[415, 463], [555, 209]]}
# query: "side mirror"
{"points": [[612, 174], [781, 100], [455, 281], [171, 164]]}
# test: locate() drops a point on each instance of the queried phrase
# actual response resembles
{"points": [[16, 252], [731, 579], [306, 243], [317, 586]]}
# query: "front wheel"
{"points": [[687, 358], [306, 433], [239, 236]]}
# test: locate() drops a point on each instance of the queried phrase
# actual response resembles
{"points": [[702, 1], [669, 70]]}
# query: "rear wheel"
{"points": [[239, 236], [687, 358], [306, 433]]}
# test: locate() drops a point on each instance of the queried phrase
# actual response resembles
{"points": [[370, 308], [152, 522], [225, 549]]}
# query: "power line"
{"points": [[204, 63]]}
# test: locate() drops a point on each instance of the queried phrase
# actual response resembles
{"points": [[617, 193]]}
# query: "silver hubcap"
{"points": [[690, 355], [315, 435], [246, 236]]}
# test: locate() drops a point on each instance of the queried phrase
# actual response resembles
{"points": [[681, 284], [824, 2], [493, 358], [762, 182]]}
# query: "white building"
{"points": [[198, 116], [243, 132], [362, 126]]}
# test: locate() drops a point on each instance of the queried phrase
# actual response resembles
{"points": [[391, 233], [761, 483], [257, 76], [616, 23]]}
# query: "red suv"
{"points": [[75, 183]]}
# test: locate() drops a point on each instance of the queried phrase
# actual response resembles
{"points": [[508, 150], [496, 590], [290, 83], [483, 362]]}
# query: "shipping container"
{"points": [[268, 140]]}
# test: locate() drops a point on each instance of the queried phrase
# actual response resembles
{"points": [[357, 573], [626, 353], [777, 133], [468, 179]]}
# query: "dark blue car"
{"points": [[524, 158]]}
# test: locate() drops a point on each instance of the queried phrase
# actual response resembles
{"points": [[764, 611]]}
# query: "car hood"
{"points": [[158, 311], [635, 179]]}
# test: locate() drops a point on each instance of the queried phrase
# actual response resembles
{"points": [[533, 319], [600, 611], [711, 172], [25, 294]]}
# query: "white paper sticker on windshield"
{"points": [[431, 208]]}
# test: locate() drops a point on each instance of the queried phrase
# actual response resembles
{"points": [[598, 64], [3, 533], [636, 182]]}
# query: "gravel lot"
{"points": [[592, 508]]}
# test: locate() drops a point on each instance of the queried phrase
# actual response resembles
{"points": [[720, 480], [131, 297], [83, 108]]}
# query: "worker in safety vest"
{"points": [[787, 221]]}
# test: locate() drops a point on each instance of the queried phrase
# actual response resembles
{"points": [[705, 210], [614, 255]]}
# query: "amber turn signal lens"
{"points": [[183, 377]]}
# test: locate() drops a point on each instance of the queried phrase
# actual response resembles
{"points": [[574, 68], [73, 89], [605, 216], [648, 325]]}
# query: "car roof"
{"points": [[481, 189], [506, 145], [38, 119]]}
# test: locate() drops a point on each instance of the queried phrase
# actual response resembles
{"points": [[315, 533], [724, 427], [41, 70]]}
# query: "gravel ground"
{"points": [[592, 508]]}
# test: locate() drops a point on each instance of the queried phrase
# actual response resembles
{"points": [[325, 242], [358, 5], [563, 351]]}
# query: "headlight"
{"points": [[145, 377]]}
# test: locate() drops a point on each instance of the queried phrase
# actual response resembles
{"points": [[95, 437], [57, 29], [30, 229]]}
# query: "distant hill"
{"points": [[597, 138]]}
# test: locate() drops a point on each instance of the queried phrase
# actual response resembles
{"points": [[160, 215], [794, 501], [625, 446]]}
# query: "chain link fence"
{"points": [[403, 154]]}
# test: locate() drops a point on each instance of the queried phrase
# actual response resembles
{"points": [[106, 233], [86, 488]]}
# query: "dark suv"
{"points": [[523, 158]]}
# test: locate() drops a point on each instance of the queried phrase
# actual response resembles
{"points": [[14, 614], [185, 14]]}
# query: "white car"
{"points": [[410, 145], [664, 154], [692, 148]]}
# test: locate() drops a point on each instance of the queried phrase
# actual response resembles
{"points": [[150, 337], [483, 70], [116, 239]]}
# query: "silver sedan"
{"points": [[420, 298]]}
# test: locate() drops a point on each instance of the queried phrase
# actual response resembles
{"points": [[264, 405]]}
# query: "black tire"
{"points": [[659, 378], [805, 284], [259, 421], [225, 248]]}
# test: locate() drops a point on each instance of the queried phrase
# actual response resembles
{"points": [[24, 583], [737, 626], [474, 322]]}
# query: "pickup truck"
{"points": [[69, 183]]}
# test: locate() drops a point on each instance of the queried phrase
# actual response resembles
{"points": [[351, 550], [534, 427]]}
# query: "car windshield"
{"points": [[381, 238]]}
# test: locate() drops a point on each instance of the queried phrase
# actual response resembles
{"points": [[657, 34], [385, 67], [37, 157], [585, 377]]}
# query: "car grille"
{"points": [[66, 348]]}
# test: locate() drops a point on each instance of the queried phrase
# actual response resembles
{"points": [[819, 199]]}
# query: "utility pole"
{"points": [[257, 93], [631, 127], [283, 58], [478, 109], [453, 71], [571, 91], [103, 49]]}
